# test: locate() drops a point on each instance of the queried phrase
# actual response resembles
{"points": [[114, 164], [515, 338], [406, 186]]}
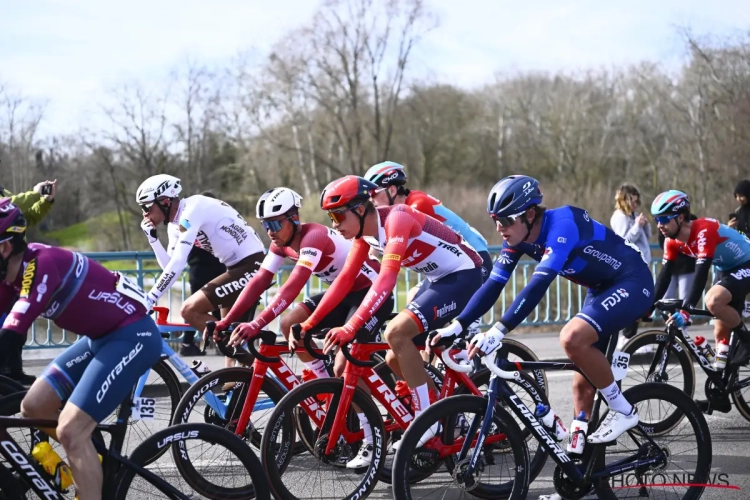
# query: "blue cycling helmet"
{"points": [[513, 195], [386, 174], [670, 202]]}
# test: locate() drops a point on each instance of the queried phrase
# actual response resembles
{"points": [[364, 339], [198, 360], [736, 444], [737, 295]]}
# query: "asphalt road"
{"points": [[730, 433]]}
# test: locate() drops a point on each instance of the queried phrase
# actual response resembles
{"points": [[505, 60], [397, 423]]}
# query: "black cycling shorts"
{"points": [[737, 281], [346, 309]]}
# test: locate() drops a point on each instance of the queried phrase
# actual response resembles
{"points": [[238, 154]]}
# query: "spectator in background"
{"points": [[740, 218], [35, 205], [202, 268], [634, 228]]}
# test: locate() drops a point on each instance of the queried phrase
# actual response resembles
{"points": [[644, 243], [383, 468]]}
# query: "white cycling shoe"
{"points": [[363, 458], [613, 426], [431, 433]]}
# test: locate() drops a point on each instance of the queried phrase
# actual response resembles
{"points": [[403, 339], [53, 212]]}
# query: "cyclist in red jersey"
{"points": [[315, 249], [710, 243], [407, 238]]}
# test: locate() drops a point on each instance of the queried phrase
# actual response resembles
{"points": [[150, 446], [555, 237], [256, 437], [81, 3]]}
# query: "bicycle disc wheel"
{"points": [[317, 475], [230, 470], [494, 476], [685, 451]]}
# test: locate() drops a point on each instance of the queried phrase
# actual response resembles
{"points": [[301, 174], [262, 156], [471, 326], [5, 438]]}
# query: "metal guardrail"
{"points": [[561, 302]]}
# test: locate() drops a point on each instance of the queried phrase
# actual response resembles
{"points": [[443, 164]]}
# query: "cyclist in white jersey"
{"points": [[209, 224]]}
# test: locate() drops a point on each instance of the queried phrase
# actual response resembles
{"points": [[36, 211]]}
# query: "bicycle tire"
{"points": [[216, 379], [9, 386], [739, 400], [530, 387], [290, 401], [690, 411], [174, 390], [684, 360], [516, 489], [204, 432]]}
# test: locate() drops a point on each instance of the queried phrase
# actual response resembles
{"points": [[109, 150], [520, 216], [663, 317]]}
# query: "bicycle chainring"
{"points": [[566, 488]]}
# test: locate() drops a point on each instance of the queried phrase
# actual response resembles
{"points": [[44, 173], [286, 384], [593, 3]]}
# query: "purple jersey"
{"points": [[75, 292]]}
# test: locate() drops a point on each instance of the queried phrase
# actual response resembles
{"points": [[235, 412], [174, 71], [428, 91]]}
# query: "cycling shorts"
{"points": [[438, 302], [346, 308], [223, 290], [615, 307], [97, 375], [737, 281]]}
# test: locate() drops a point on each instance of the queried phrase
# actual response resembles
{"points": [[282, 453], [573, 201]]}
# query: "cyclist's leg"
{"points": [[584, 340], [221, 293], [726, 300], [297, 315], [119, 359], [436, 304], [56, 383]]}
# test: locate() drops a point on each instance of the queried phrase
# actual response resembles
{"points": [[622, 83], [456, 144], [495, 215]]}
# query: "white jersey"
{"points": [[209, 224]]}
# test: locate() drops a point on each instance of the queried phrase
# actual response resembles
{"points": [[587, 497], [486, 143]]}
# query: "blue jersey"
{"points": [[570, 244]]}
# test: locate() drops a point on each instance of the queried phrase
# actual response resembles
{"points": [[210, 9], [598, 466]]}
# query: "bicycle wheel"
{"points": [[318, 475], [232, 471], [686, 450], [456, 415], [9, 386], [163, 387], [740, 396], [228, 387], [678, 371], [529, 393]]}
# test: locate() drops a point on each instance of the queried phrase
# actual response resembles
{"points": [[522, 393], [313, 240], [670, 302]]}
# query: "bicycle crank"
{"points": [[567, 488]]}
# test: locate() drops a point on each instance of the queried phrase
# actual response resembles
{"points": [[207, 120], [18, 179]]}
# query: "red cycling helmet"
{"points": [[346, 192]]}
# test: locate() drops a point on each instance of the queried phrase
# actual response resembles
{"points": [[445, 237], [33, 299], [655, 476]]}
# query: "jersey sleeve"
{"points": [[312, 247], [484, 298], [707, 238], [273, 260], [561, 240], [341, 285], [426, 205], [671, 249], [190, 224], [399, 227], [30, 305]]}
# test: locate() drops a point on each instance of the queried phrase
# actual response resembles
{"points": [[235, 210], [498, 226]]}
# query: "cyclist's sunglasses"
{"points": [[146, 208], [273, 225], [664, 219], [506, 221], [339, 215]]}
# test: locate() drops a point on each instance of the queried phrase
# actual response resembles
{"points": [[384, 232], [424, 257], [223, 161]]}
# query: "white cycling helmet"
{"points": [[277, 201], [158, 186]]}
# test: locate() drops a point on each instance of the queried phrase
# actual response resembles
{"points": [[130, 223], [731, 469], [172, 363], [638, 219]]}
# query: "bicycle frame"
{"points": [[499, 389], [113, 464], [382, 393], [725, 380]]}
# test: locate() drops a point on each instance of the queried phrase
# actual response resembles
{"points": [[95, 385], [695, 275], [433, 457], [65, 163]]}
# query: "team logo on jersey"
{"points": [[442, 311], [702, 240], [547, 253], [184, 225], [504, 258], [27, 281], [615, 298]]}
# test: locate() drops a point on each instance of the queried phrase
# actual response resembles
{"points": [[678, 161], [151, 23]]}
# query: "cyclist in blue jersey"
{"points": [[565, 241], [93, 376]]}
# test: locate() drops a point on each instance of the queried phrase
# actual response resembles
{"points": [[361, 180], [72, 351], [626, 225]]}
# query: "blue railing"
{"points": [[561, 302]]}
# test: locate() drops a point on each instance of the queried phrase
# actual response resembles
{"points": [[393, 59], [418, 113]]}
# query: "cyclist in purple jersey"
{"points": [[94, 375]]}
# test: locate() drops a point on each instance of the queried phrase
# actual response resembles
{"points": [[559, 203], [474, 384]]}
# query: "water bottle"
{"points": [[722, 351], [578, 430], [705, 348], [551, 422], [199, 368], [53, 464]]}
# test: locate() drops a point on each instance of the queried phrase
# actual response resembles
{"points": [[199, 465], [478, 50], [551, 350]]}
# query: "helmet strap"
{"points": [[529, 225], [391, 199], [295, 227], [361, 221], [165, 210]]}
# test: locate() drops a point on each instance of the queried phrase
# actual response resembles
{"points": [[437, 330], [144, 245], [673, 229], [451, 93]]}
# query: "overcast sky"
{"points": [[69, 52]]}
